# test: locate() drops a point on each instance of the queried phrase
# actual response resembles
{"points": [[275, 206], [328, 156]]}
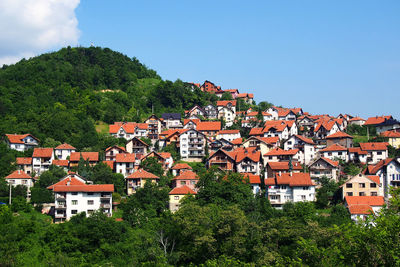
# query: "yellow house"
{"points": [[138, 179], [176, 195], [393, 138], [362, 185], [264, 144]]}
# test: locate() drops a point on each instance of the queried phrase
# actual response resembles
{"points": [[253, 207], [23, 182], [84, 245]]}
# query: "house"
{"points": [[113, 151], [289, 187], [340, 138], [388, 171], [209, 128], [138, 179], [210, 87], [190, 123], [357, 121], [180, 167], [25, 164], [62, 163], [324, 167], [126, 163], [192, 145], [21, 142], [255, 182], [73, 196], [334, 152], [362, 185], [278, 154], [164, 158], [305, 145], [234, 92], [305, 121], [247, 98], [324, 128], [124, 130], [110, 163], [224, 160], [172, 120], [186, 178], [393, 138], [276, 128], [376, 151], [154, 126], [91, 157], [196, 110], [41, 159], [170, 136], [227, 111], [176, 195], [362, 206], [264, 144], [274, 168], [387, 125], [373, 121], [211, 112], [228, 134], [19, 177], [62, 152], [222, 144], [357, 155], [137, 146], [248, 160]]}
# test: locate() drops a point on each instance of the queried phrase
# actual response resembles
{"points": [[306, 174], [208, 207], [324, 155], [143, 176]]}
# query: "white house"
{"points": [[192, 144], [126, 163], [42, 159], [289, 187], [63, 151], [361, 206], [20, 178], [305, 145], [376, 151], [172, 120], [228, 135], [334, 152], [227, 111], [73, 196], [21, 142]]}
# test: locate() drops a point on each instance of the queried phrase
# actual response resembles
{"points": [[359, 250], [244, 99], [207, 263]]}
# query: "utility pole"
{"points": [[9, 198]]}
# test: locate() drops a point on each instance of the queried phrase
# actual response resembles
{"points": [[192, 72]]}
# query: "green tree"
{"points": [[152, 165]]}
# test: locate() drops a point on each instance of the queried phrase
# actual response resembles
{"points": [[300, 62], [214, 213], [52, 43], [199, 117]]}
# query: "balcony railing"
{"points": [[63, 215], [105, 205]]}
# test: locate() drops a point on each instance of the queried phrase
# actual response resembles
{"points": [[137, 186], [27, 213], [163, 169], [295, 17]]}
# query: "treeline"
{"points": [[224, 225]]}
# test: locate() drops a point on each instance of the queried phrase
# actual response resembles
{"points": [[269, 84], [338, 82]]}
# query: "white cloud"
{"points": [[31, 27]]}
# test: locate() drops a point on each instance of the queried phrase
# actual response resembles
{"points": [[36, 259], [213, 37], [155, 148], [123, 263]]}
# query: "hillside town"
{"points": [[286, 150]]}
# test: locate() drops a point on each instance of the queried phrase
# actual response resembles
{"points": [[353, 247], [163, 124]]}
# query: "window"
{"points": [[361, 194], [372, 185], [74, 193], [24, 181], [183, 182], [90, 193], [303, 197], [329, 153], [305, 187], [349, 185], [350, 194], [379, 153], [90, 202], [90, 212], [374, 194], [74, 202], [193, 182], [283, 186], [74, 211], [340, 153], [176, 197], [274, 197], [361, 185]]}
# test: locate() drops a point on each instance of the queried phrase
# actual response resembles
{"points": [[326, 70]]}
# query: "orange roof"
{"points": [[280, 152], [65, 181], [84, 188], [334, 147], [325, 124], [125, 157], [253, 178], [180, 166], [339, 135], [226, 102], [18, 174], [209, 126], [142, 174], [374, 178], [391, 134], [360, 209], [186, 121], [291, 179], [256, 131], [250, 152], [165, 155], [110, 163], [377, 120], [187, 175], [284, 165], [91, 156], [117, 147], [42, 152], [357, 150], [183, 190], [17, 138], [373, 169], [229, 132], [24, 161], [373, 146], [305, 139], [237, 141], [58, 162], [332, 162], [65, 146], [368, 200], [356, 119], [129, 127], [268, 140]]}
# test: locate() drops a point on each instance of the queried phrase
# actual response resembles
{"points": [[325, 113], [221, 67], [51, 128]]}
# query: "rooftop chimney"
{"points": [[291, 174], [68, 183]]}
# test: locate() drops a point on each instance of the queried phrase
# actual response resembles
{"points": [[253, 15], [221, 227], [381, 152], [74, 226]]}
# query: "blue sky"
{"points": [[324, 56]]}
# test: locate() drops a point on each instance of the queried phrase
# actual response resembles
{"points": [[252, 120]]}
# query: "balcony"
{"points": [[63, 215], [60, 197], [105, 205], [195, 148], [105, 196], [219, 161]]}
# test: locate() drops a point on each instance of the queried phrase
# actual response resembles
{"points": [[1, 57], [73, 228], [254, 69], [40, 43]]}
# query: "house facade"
{"points": [[192, 144], [62, 152], [21, 142]]}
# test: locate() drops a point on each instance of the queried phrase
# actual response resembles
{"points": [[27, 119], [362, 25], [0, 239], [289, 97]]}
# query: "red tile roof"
{"points": [[357, 150], [65, 146], [18, 174], [373, 146], [42, 152], [331, 162], [360, 209], [180, 166], [183, 190], [64, 182], [325, 124], [391, 134], [165, 155], [280, 152], [334, 147], [17, 138], [92, 156], [58, 162], [373, 169], [250, 152], [225, 103], [110, 163], [356, 119], [142, 174], [291, 179], [374, 178], [117, 147], [125, 157], [229, 132], [377, 120], [209, 126], [339, 135], [24, 161], [284, 165], [84, 188], [269, 140], [305, 139], [237, 141], [253, 178], [186, 121], [187, 175], [256, 131], [368, 200]]}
